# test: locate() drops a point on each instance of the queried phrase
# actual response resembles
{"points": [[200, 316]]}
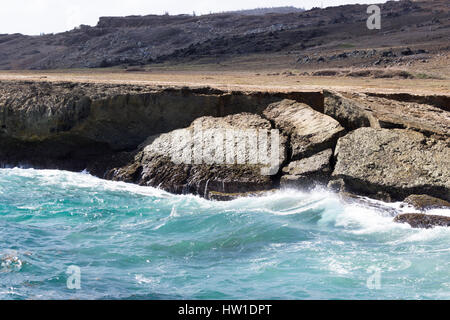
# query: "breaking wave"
{"points": [[140, 242]]}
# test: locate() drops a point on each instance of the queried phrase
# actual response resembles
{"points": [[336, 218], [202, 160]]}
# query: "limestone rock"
{"points": [[309, 131], [347, 111], [157, 166], [118, 116], [425, 221], [393, 164], [358, 110], [309, 171]]}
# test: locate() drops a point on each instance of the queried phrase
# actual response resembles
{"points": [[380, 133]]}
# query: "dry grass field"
{"points": [[237, 80]]}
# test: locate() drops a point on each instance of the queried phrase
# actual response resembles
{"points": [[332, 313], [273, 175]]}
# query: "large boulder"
{"points": [[356, 110], [309, 131], [199, 159], [308, 172], [392, 164], [425, 221]]}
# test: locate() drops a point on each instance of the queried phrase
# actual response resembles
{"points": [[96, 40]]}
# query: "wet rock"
{"points": [[308, 172], [423, 221], [201, 163], [423, 202], [380, 206], [222, 196], [392, 164], [309, 131]]}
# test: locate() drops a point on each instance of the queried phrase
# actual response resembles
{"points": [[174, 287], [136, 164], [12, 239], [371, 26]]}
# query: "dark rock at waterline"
{"points": [[393, 163], [222, 196], [424, 221], [308, 172], [423, 202]]}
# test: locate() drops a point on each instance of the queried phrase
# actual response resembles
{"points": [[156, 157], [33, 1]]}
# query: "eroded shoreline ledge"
{"points": [[382, 146]]}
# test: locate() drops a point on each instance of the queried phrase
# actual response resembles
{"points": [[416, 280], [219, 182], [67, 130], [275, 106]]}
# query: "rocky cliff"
{"points": [[377, 146]]}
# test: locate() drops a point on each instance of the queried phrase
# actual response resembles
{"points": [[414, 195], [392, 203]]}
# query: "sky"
{"points": [[50, 16]]}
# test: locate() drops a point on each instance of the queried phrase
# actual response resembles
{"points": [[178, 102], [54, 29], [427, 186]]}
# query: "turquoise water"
{"points": [[134, 242]]}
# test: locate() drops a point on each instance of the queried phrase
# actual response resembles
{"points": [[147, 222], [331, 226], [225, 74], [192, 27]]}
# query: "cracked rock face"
{"points": [[309, 131], [180, 165], [392, 164]]}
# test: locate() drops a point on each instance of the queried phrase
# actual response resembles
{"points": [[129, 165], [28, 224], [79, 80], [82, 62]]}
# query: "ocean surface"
{"points": [[132, 242]]}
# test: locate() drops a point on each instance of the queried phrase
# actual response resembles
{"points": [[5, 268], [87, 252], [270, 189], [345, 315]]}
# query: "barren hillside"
{"points": [[412, 33]]}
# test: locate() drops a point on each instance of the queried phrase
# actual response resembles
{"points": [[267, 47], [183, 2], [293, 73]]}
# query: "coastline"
{"points": [[352, 142]]}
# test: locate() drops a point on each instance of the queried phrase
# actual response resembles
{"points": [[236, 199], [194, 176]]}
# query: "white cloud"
{"points": [[37, 16]]}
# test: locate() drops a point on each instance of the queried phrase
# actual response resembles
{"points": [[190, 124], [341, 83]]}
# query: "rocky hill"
{"points": [[135, 40]]}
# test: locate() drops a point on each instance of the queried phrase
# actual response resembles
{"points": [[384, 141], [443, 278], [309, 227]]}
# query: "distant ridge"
{"points": [[307, 37], [262, 11]]}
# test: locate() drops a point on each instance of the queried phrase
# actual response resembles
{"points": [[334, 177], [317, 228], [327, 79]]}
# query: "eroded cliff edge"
{"points": [[382, 146]]}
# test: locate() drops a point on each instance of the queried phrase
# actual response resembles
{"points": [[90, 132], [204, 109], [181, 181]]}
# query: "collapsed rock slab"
{"points": [[356, 110], [308, 172], [188, 166], [392, 164], [347, 111], [309, 131], [423, 221]]}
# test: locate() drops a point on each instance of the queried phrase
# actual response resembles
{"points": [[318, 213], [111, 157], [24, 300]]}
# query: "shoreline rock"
{"points": [[159, 164], [423, 221], [392, 164], [222, 196], [424, 202]]}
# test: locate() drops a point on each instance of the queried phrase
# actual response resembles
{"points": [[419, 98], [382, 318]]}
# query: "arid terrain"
{"points": [[237, 80], [282, 49], [414, 37]]}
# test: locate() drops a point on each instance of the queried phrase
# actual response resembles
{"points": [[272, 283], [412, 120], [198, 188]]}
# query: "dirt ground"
{"points": [[237, 80]]}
